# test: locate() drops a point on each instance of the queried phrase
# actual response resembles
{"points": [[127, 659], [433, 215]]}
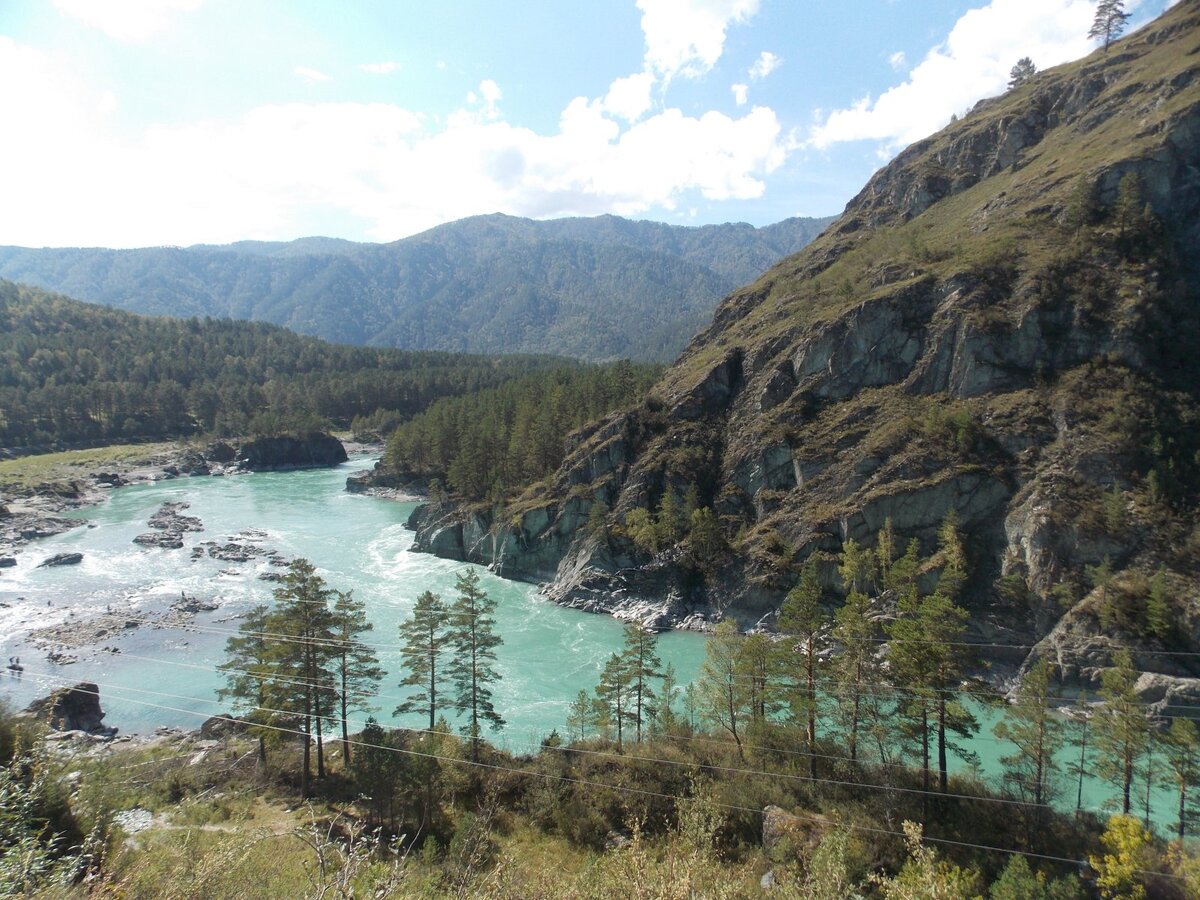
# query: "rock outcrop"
{"points": [[269, 454], [1001, 326], [61, 559], [74, 708]]}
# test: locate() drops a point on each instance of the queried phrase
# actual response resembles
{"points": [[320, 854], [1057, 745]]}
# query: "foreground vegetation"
{"points": [[412, 816]]}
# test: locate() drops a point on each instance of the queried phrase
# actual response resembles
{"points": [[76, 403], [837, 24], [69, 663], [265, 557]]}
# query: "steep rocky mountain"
{"points": [[596, 288], [1003, 324]]}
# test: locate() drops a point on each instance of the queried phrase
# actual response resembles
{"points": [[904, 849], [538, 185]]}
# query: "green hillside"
{"points": [[598, 288]]}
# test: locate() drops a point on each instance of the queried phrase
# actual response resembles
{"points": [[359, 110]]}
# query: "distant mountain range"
{"points": [[594, 288]]}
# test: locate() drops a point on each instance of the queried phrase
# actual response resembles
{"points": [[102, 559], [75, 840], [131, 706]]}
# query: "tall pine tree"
{"points": [[1120, 726], [800, 621], [472, 670], [248, 672], [642, 664], [356, 665], [300, 657], [424, 636]]}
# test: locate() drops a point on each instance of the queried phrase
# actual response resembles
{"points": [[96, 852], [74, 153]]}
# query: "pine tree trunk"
{"points": [[812, 714], [345, 726], [305, 769], [320, 741], [432, 682], [1182, 808], [943, 778]]}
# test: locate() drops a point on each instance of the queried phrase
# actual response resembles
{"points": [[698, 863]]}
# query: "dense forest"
{"points": [[71, 372], [508, 436], [592, 288]]}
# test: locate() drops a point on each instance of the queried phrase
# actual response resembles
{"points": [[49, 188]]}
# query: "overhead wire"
{"points": [[733, 770], [658, 794]]}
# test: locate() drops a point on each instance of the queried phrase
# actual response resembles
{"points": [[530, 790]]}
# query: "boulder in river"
{"points": [[72, 709], [62, 559], [7, 562], [167, 540]]}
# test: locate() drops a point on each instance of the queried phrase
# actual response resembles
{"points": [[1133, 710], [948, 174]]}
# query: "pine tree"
{"points": [[857, 567], [927, 661], [885, 554], [1080, 732], [800, 621], [1021, 72], [1181, 744], [472, 670], [667, 721], [954, 558], [756, 667], [1101, 577], [1120, 727], [1158, 607], [424, 638], [642, 664], [1109, 22], [614, 695], [248, 671], [672, 526], [303, 685], [722, 695], [581, 714], [357, 666], [1032, 725], [855, 668]]}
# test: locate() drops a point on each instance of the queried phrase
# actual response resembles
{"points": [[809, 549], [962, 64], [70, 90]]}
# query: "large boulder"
{"points": [[313, 450], [74, 708], [62, 559]]}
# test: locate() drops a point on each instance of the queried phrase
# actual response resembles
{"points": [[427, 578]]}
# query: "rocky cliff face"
{"points": [[1000, 325]]}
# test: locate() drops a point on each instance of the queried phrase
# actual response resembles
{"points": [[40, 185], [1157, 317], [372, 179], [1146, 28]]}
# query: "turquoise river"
{"points": [[167, 675]]}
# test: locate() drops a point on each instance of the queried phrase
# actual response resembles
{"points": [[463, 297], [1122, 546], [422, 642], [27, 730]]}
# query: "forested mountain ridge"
{"points": [[79, 373], [590, 288], [998, 331]]}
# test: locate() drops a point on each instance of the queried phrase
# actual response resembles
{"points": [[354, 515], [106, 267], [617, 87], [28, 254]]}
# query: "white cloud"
{"points": [[740, 93], [898, 61], [126, 20], [630, 97], [972, 63], [687, 37], [310, 74], [383, 68], [275, 170], [766, 63]]}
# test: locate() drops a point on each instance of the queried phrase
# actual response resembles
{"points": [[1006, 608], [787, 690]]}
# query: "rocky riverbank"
{"points": [[36, 491]]}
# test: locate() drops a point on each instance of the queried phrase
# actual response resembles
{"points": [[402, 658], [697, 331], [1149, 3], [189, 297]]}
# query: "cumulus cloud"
{"points": [[741, 93], [274, 170], [766, 63], [972, 63], [126, 20], [310, 74], [687, 37], [383, 68], [630, 97], [898, 61]]}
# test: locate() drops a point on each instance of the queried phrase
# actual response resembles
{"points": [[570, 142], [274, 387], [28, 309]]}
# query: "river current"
{"points": [[167, 675]]}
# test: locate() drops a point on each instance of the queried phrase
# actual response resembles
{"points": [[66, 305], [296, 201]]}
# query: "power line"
{"points": [[643, 792], [732, 770]]}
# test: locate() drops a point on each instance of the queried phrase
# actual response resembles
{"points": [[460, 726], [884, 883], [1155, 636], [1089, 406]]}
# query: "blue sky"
{"points": [[148, 122]]}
